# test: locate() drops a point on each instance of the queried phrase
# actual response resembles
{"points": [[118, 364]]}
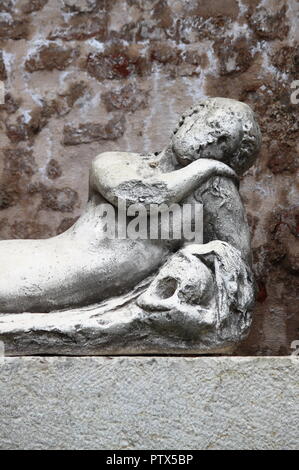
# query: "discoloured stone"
{"points": [[25, 126], [116, 62], [53, 169], [79, 6], [65, 224], [82, 27], [269, 26], [127, 98], [13, 28], [51, 56], [3, 75], [18, 162], [10, 104], [6, 198], [62, 200], [93, 131], [286, 59], [234, 56], [33, 5], [23, 230]]}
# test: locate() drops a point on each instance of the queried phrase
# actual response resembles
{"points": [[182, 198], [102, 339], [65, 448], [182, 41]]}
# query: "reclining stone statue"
{"points": [[83, 293]]}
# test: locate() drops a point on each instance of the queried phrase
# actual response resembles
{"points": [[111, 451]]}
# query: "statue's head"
{"points": [[218, 128]]}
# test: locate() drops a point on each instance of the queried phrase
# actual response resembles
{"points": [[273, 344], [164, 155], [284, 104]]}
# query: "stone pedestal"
{"points": [[149, 403]]}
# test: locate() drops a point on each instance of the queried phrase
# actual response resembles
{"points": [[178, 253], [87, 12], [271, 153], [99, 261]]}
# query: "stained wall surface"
{"points": [[85, 76]]}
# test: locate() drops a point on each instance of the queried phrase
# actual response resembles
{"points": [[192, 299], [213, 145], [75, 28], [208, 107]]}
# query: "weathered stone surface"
{"points": [[64, 101], [176, 62], [13, 28], [79, 6], [127, 98], [82, 27], [269, 26], [150, 403], [10, 104], [155, 317], [201, 295], [53, 169], [117, 62], [6, 6], [94, 131], [6, 198], [211, 128], [62, 200], [19, 166], [75, 91], [33, 5], [3, 75], [25, 125], [164, 54], [234, 56], [286, 59], [18, 162], [25, 230], [65, 224], [49, 57]]}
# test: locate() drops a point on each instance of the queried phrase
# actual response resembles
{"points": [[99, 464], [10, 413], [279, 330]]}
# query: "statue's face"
{"points": [[207, 132]]}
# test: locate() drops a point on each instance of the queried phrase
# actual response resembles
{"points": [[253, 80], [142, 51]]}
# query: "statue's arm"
{"points": [[218, 276], [122, 176], [224, 216]]}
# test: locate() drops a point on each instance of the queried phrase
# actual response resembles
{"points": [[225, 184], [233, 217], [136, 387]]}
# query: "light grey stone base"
{"points": [[149, 403]]}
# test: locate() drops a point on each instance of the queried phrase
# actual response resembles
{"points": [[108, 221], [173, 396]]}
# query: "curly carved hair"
{"points": [[219, 128]]}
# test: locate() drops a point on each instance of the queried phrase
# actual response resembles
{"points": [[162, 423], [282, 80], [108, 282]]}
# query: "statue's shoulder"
{"points": [[217, 187], [114, 157], [124, 164]]}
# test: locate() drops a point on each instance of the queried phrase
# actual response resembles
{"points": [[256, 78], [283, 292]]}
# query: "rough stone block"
{"points": [[149, 403]]}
